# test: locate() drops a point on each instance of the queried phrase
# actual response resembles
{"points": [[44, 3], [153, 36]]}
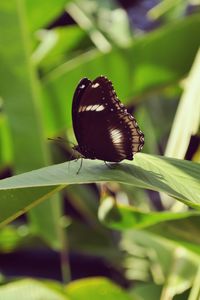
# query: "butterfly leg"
{"points": [[107, 164], [80, 166]]}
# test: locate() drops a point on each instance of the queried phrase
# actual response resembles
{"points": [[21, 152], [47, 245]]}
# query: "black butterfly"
{"points": [[102, 126]]}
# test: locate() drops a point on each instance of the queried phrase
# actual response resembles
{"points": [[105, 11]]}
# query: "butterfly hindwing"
{"points": [[103, 127]]}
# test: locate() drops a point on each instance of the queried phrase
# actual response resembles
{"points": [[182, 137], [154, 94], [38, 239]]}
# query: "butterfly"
{"points": [[102, 125]]}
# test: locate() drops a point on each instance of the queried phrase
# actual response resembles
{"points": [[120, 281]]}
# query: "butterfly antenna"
{"points": [[60, 139]]}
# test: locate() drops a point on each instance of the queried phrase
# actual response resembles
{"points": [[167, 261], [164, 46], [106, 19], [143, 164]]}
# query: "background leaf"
{"points": [[96, 287], [20, 93]]}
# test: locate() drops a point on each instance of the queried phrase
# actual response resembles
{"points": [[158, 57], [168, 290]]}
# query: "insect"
{"points": [[102, 125]]}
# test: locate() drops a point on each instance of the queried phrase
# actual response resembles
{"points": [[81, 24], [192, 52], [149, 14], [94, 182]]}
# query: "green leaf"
{"points": [[30, 289], [6, 149], [41, 13], [184, 231], [177, 178], [21, 97], [10, 238], [188, 113], [121, 217], [96, 288]]}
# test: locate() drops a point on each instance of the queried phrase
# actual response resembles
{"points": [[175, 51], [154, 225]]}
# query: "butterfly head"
{"points": [[77, 151]]}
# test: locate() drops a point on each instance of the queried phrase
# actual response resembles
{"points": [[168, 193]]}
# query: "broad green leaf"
{"points": [[96, 288], [20, 204], [177, 178], [43, 13], [21, 97], [30, 289], [122, 217], [188, 113]]}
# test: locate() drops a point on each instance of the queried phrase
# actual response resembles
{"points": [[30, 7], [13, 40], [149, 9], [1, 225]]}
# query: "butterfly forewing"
{"points": [[103, 127], [83, 84]]}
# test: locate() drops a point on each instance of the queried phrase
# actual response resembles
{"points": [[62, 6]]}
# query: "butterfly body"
{"points": [[103, 128]]}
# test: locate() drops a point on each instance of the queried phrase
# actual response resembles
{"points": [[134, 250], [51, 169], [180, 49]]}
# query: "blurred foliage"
{"points": [[150, 241]]}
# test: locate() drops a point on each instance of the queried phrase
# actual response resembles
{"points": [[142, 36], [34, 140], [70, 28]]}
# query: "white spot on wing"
{"points": [[116, 135], [100, 108], [95, 107], [82, 108], [95, 85], [89, 107]]}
